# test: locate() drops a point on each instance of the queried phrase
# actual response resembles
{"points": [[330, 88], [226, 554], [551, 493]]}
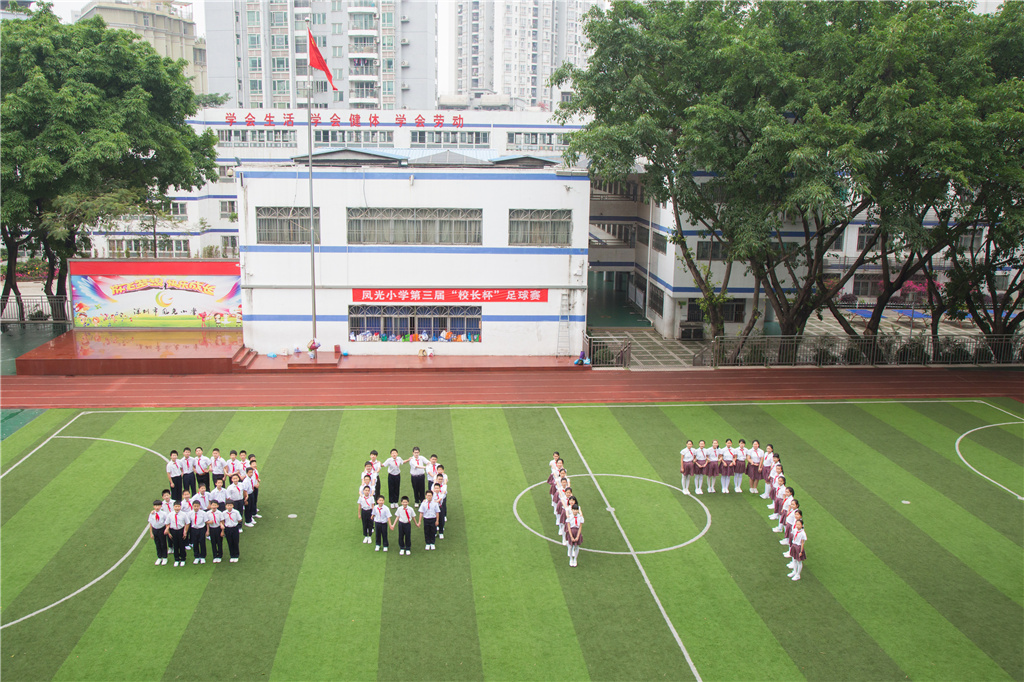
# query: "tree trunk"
{"points": [[59, 305], [11, 279], [755, 314]]}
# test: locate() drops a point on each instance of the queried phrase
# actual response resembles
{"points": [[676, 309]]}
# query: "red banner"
{"points": [[449, 295]]}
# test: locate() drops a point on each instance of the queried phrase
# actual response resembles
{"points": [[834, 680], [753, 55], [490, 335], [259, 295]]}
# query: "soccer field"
{"points": [[914, 513]]}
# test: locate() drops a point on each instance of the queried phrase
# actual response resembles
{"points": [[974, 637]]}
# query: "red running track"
{"points": [[507, 387]]}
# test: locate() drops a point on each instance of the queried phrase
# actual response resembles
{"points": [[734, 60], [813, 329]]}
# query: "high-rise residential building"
{"points": [[382, 53], [506, 50], [165, 24]]}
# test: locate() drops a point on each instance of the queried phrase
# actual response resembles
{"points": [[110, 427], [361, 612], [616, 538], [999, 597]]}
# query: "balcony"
{"points": [[364, 96], [362, 6], [365, 50], [363, 28], [364, 73]]}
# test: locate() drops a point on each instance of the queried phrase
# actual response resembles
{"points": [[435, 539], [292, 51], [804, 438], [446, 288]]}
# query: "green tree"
{"points": [[212, 99], [87, 112]]}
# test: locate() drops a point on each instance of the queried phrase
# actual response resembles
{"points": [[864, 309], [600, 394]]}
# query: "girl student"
{"points": [[700, 463], [158, 531], [686, 465], [575, 533], [796, 549], [727, 465], [429, 511], [740, 464], [787, 507], [175, 472], [753, 464], [789, 519], [215, 528], [232, 529], [565, 498], [404, 517], [365, 512], [712, 468], [768, 461]]}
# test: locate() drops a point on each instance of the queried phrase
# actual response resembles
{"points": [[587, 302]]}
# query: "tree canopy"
{"points": [[87, 111]]}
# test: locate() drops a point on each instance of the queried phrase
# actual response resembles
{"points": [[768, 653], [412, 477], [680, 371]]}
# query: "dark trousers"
{"points": [[376, 489], [161, 542], [198, 542], [250, 508], [429, 530], [188, 480], [382, 534], [366, 515], [203, 479], [440, 519], [394, 488], [217, 542], [231, 535], [178, 543], [176, 488], [419, 484], [404, 536], [255, 500]]}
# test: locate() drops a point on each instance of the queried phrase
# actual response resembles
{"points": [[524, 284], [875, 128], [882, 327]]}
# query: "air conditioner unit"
{"points": [[404, 41], [376, 62], [405, 64], [405, 17], [405, 86]]}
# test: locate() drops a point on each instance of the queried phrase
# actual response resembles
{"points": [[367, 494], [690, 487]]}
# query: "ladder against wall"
{"points": [[563, 326]]}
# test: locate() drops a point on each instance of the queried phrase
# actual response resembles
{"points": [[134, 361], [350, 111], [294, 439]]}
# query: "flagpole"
{"points": [[309, 130]]}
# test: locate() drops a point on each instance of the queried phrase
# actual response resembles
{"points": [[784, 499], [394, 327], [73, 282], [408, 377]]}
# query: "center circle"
{"points": [[707, 513]]}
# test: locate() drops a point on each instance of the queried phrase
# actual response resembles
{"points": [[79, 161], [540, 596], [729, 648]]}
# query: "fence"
{"points": [[822, 350], [36, 309], [608, 352]]}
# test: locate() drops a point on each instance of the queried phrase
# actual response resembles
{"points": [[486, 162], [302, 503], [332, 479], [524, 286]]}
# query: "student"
{"points": [[375, 463], [739, 464], [727, 465], [232, 520], [381, 514], [175, 471], [249, 487], [442, 475], [700, 466], [197, 521], [404, 518], [217, 466], [236, 495], [796, 549], [176, 530], [186, 507], [575, 533], [166, 503], [219, 494], [442, 478], [367, 482], [686, 465], [203, 497], [429, 511], [789, 519], [431, 472], [158, 531], [188, 466], [215, 528], [394, 464], [713, 467], [753, 465], [368, 473], [203, 464], [768, 461], [255, 488], [787, 507], [417, 474], [440, 495], [365, 515], [232, 467]]}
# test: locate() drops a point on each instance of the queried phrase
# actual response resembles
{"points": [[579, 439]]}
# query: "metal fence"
{"points": [[36, 309], [821, 350], [608, 351]]}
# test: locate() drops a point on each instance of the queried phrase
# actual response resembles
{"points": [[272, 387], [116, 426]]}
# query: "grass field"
{"points": [[915, 562]]}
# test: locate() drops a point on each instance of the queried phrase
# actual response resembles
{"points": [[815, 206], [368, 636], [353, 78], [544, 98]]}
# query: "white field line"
{"points": [[629, 545], [38, 447], [964, 460]]}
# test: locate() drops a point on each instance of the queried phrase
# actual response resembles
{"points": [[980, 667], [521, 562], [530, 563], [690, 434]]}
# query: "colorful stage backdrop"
{"points": [[156, 293]]}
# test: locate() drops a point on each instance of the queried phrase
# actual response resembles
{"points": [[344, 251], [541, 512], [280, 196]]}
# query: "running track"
{"points": [[505, 387]]}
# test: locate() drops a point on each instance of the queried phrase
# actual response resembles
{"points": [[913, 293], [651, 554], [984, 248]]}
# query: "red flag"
{"points": [[316, 60]]}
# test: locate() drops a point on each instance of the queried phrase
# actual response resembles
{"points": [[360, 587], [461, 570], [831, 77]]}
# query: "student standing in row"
{"points": [[158, 531], [700, 466], [176, 530], [217, 466], [249, 488], [404, 518], [235, 494], [232, 521], [574, 528], [197, 531], [375, 464], [417, 474], [687, 456], [440, 497], [203, 464], [796, 549], [215, 526], [255, 488], [175, 471], [394, 464], [381, 514], [726, 465], [188, 465], [739, 464], [429, 511], [365, 513]]}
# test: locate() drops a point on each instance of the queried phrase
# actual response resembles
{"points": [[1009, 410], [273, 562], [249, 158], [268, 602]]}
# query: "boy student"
{"points": [[429, 511], [158, 531], [216, 466], [166, 504], [368, 473], [394, 464], [219, 494], [687, 456], [417, 474], [232, 519], [440, 496], [249, 487], [202, 468], [404, 518], [376, 473], [381, 514], [365, 513], [235, 494], [175, 471], [176, 530], [255, 488], [197, 521], [431, 472], [203, 497], [215, 527], [188, 465], [232, 466]]}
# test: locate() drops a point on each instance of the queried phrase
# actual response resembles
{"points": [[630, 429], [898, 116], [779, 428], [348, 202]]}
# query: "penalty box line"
{"points": [[632, 552]]}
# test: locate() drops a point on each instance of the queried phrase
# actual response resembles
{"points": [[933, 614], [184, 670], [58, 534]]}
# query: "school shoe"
{"points": [[725, 490], [188, 548], [784, 541], [376, 548], [441, 536], [234, 561], [260, 516], [157, 562], [795, 578], [216, 561], [385, 549], [163, 562], [699, 491], [686, 492], [711, 490], [764, 496], [249, 525], [195, 562], [776, 529], [791, 574], [737, 489], [202, 561]]}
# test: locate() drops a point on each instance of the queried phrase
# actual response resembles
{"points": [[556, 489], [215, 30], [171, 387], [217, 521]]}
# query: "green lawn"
{"points": [[915, 568]]}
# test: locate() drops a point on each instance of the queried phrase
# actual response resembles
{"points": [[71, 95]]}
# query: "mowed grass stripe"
{"points": [[940, 578], [948, 521], [333, 626], [74, 494], [1005, 439], [254, 595], [780, 616], [521, 615], [926, 448], [601, 584], [32, 434], [428, 628], [911, 632], [1003, 442]]}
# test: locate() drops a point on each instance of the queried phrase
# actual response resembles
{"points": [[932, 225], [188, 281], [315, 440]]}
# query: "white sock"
{"points": [[799, 567], [700, 481]]}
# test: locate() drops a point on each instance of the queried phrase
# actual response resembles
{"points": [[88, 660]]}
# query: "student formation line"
{"points": [[568, 516], [728, 463], [190, 511]]}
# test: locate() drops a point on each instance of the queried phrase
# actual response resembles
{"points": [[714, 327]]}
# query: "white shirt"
{"points": [[203, 465], [214, 518], [418, 465], [381, 514], [219, 494], [234, 492], [430, 509], [711, 454], [247, 486], [439, 497], [188, 464], [197, 519], [177, 520], [167, 506], [688, 454], [740, 454], [364, 484], [754, 457], [575, 520], [800, 537], [365, 502], [233, 467], [157, 519], [373, 479], [217, 465], [375, 463], [175, 469], [204, 500], [394, 466], [432, 471], [701, 454], [232, 518], [726, 455], [405, 514]]}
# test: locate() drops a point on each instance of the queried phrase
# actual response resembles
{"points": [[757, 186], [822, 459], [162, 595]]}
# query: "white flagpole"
{"points": [[309, 130]]}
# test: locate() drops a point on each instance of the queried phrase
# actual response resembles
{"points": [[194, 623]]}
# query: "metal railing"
{"points": [[608, 352], [821, 350], [35, 309]]}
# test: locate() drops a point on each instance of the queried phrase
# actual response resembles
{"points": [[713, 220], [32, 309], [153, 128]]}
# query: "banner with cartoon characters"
{"points": [[156, 293]]}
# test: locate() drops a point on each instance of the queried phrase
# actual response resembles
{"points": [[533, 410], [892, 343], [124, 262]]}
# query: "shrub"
{"points": [[848, 299], [983, 355], [29, 268], [853, 356], [912, 353], [953, 352]]}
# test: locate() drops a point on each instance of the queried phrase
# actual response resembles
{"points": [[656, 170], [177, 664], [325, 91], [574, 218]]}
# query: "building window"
{"points": [[318, 18], [866, 285], [338, 52], [361, 138], [285, 225], [734, 311], [227, 209], [387, 19], [1002, 281], [255, 63], [229, 247], [252, 18], [254, 41], [281, 87], [865, 235], [694, 313], [454, 139], [539, 226], [388, 65], [415, 225], [278, 42], [338, 29], [656, 302], [400, 323], [179, 210], [643, 235], [256, 87], [279, 64], [278, 18], [712, 251], [660, 243]]}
